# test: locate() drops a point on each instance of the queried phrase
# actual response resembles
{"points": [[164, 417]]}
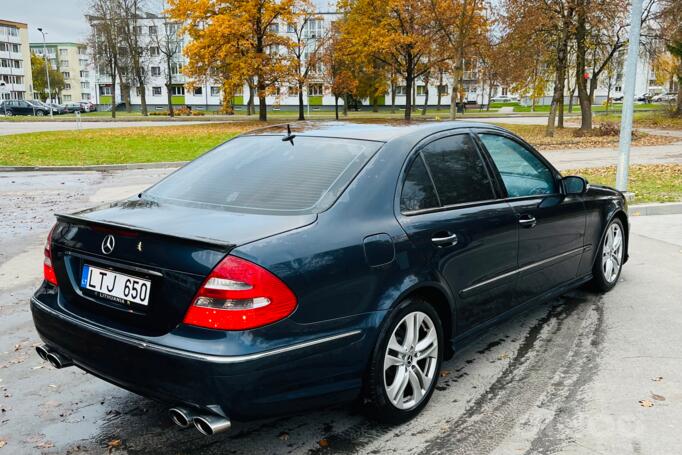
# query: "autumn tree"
{"points": [[462, 25], [130, 12], [105, 41], [396, 35], [40, 80], [239, 34], [309, 39], [338, 71]]}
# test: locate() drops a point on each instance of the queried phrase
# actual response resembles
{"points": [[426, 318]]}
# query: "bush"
{"points": [[608, 129]]}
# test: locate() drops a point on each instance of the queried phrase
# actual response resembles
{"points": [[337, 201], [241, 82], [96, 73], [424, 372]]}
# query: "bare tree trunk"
{"points": [[345, 105], [393, 88], [560, 120], [249, 104], [409, 80], [336, 107], [301, 115], [262, 106], [490, 95], [560, 67], [453, 96], [143, 98], [426, 95]]}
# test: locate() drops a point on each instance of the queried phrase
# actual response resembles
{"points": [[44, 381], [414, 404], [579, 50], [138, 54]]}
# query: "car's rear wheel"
{"points": [[9, 113], [406, 362], [40, 113], [609, 262]]}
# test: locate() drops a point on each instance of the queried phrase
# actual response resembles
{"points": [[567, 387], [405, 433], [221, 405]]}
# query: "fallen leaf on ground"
{"points": [[323, 443], [657, 379], [657, 397], [44, 445], [284, 436], [3, 443], [444, 373], [646, 403]]}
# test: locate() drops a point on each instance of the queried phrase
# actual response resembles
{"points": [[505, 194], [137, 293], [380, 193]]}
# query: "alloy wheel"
{"points": [[410, 360], [612, 252]]}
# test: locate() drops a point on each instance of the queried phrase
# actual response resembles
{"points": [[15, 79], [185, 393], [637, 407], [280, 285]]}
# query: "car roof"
{"points": [[381, 131]]}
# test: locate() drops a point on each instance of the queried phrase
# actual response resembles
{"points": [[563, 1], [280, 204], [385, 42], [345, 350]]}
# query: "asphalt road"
{"points": [[566, 377]]}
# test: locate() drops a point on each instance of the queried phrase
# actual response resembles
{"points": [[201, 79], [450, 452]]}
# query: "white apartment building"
{"points": [[16, 81]]}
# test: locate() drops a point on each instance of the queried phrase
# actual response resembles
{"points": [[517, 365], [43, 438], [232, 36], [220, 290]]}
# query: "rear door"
{"points": [[551, 225], [451, 211]]}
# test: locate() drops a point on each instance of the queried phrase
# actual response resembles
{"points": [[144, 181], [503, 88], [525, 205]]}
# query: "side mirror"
{"points": [[574, 184]]}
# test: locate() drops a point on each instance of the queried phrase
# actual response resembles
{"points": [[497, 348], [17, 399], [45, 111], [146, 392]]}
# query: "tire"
{"points": [[609, 261], [417, 368], [40, 113], [9, 114]]}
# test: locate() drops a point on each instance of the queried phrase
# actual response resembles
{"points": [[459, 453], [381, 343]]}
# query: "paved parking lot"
{"points": [[566, 377]]}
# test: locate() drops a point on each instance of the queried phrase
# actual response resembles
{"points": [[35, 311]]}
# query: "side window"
{"points": [[522, 172], [418, 192], [458, 170]]}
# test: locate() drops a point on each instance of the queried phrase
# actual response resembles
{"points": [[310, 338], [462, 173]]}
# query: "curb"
{"points": [[669, 208], [94, 167]]}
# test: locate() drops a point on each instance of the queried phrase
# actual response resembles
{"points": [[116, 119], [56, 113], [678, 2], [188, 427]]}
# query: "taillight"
{"points": [[48, 269], [240, 295]]}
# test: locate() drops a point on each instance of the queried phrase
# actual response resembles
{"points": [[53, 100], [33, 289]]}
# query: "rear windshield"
{"points": [[266, 174]]}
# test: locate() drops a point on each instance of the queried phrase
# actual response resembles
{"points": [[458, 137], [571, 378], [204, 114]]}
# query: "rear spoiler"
{"points": [[83, 221]]}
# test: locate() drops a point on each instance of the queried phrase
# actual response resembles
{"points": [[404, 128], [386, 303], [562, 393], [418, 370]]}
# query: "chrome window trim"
{"points": [[133, 341], [522, 269]]}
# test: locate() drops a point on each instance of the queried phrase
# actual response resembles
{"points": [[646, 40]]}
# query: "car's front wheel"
{"points": [[609, 262], [406, 362]]}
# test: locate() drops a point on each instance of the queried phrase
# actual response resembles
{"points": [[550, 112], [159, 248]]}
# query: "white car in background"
{"points": [[504, 99]]}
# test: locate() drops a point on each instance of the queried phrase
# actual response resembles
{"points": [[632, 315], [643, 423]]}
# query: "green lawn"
{"points": [[119, 145], [650, 183]]}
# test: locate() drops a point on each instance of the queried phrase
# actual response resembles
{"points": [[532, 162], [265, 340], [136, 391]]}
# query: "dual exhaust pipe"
{"points": [[207, 424], [56, 359]]}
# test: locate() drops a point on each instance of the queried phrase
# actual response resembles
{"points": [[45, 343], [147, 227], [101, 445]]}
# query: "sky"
{"points": [[61, 20]]}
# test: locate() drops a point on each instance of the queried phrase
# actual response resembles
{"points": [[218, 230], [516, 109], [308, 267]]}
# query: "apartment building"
{"points": [[16, 81], [73, 61]]}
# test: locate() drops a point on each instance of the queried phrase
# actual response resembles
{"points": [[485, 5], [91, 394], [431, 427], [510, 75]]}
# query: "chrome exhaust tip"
{"points": [[58, 361], [180, 416], [43, 351], [211, 424]]}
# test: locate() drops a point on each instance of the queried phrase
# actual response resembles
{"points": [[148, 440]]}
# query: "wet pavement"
{"points": [[565, 377]]}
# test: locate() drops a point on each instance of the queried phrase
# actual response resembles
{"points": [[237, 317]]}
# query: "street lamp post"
{"points": [[629, 76], [47, 69]]}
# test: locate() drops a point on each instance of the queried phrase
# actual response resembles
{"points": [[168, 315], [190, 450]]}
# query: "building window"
{"points": [[85, 74], [401, 90], [172, 29], [274, 28], [443, 89], [156, 71], [154, 51], [215, 91], [619, 88], [67, 86], [176, 68], [198, 91], [85, 85], [63, 63], [83, 62], [85, 97], [63, 52], [314, 89], [153, 30], [138, 29], [177, 90], [66, 75], [156, 91], [105, 90], [421, 90], [291, 28], [66, 97]]}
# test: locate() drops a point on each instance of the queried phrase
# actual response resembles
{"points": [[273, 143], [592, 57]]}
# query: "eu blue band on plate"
{"points": [[84, 276]]}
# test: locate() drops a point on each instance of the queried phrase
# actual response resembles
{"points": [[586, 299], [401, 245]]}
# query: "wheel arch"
{"points": [[623, 218]]}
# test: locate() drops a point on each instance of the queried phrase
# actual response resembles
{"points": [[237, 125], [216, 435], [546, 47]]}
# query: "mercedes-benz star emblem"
{"points": [[108, 244]]}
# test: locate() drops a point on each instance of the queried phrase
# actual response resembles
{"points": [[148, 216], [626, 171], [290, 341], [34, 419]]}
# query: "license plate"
{"points": [[116, 286]]}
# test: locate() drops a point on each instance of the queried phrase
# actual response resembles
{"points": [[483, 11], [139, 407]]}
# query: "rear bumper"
{"points": [[319, 370]]}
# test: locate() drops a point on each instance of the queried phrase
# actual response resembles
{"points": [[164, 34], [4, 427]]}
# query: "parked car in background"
{"points": [[664, 98], [296, 267], [55, 111], [505, 99], [73, 107], [22, 107], [58, 108], [88, 106]]}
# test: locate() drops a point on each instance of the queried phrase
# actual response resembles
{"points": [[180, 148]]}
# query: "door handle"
{"points": [[444, 239], [528, 221]]}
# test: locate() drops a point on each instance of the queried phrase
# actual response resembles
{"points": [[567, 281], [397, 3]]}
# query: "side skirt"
{"points": [[474, 333]]}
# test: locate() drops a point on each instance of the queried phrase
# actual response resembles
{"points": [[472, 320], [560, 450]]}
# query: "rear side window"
{"points": [[418, 192], [266, 174], [458, 170]]}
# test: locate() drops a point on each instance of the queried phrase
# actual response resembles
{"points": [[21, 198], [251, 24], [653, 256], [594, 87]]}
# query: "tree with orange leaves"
{"points": [[240, 38], [397, 34]]}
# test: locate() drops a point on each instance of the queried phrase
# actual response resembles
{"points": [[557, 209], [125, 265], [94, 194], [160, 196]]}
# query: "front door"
{"points": [[551, 225], [452, 214]]}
